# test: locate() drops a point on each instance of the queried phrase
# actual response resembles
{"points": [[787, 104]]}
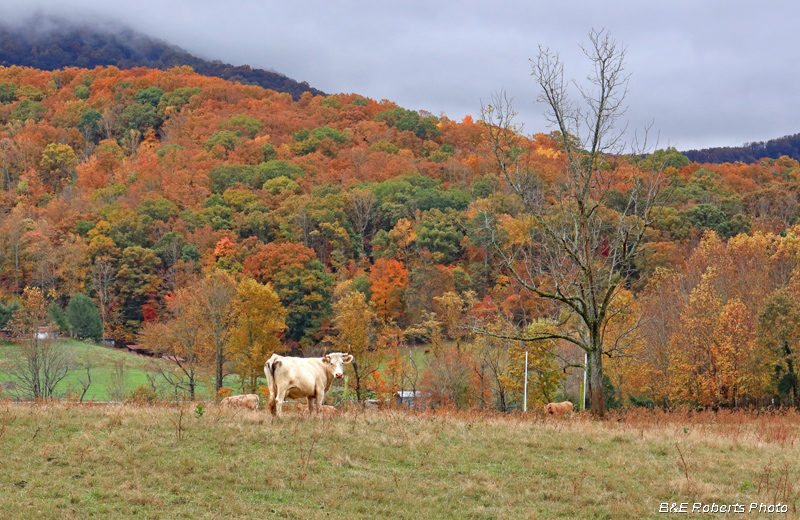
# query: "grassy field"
{"points": [[104, 362], [62, 460]]}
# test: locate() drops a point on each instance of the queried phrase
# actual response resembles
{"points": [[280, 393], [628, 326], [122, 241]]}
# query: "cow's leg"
{"points": [[310, 400], [320, 398], [279, 401]]}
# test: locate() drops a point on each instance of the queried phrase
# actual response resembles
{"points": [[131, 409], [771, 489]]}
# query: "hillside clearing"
{"points": [[110, 368]]}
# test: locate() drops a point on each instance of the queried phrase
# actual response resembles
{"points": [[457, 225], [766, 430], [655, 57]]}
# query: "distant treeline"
{"points": [[749, 152], [51, 45]]}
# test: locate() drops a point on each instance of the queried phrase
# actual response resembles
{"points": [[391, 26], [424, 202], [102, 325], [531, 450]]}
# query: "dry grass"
{"points": [[61, 460]]}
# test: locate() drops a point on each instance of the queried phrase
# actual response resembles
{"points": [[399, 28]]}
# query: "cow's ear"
{"points": [[326, 359], [347, 358]]}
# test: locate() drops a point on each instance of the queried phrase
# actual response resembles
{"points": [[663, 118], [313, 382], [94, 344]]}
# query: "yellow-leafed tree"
{"points": [[714, 360], [259, 318], [544, 373], [354, 318], [627, 350]]}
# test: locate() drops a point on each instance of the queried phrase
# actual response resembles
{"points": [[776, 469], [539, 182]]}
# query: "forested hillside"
{"points": [[51, 44], [351, 224], [788, 145]]}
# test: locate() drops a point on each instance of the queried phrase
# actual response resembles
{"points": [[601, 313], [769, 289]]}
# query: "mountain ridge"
{"points": [[51, 44], [788, 145]]}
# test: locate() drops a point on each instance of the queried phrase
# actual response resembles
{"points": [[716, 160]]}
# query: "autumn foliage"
{"points": [[136, 186]]}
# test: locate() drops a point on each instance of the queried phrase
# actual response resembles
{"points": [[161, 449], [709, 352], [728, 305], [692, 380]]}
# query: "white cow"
{"points": [[296, 378]]}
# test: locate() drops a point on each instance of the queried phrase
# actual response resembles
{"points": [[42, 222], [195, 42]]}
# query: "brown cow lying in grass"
{"points": [[558, 408], [249, 401], [326, 409]]}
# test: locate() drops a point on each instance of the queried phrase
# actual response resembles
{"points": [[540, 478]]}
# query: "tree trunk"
{"points": [[219, 361], [790, 366], [358, 381], [596, 396]]}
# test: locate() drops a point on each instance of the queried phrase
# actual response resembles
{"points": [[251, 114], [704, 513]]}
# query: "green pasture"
{"points": [[104, 363]]}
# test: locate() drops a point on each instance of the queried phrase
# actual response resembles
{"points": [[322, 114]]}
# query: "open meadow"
{"points": [[65, 460], [112, 370]]}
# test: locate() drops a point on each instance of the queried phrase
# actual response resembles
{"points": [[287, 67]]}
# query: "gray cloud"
{"points": [[704, 74]]}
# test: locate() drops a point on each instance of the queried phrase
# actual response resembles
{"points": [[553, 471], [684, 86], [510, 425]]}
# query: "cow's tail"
{"points": [[269, 371]]}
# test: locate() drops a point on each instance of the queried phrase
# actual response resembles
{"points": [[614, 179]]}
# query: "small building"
{"points": [[174, 359], [142, 351], [407, 398], [46, 333], [5, 334]]}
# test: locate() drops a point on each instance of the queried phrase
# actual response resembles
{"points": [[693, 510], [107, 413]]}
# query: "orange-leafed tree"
{"points": [[182, 341], [662, 303], [215, 295], [301, 282], [626, 346], [714, 360], [449, 379], [389, 279]]}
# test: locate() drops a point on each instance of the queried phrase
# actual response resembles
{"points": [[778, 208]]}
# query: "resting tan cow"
{"points": [[295, 378], [327, 410], [558, 408], [249, 401]]}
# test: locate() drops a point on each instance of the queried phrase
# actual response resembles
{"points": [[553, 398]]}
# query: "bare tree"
{"points": [[576, 252], [492, 363], [109, 121], [12, 242], [87, 365], [182, 343], [101, 278], [409, 377], [216, 293], [117, 386], [41, 364], [6, 146], [361, 209]]}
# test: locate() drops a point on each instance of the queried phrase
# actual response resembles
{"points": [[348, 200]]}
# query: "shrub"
{"points": [[448, 379], [263, 395], [143, 395], [223, 392]]}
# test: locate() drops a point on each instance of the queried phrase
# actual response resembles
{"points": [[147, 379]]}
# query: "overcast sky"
{"points": [[703, 73]]}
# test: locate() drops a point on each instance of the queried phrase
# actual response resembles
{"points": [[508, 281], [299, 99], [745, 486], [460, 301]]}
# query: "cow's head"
{"points": [[337, 361]]}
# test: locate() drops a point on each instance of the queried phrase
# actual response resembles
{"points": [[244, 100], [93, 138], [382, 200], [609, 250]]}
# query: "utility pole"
{"points": [[583, 389], [525, 392]]}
